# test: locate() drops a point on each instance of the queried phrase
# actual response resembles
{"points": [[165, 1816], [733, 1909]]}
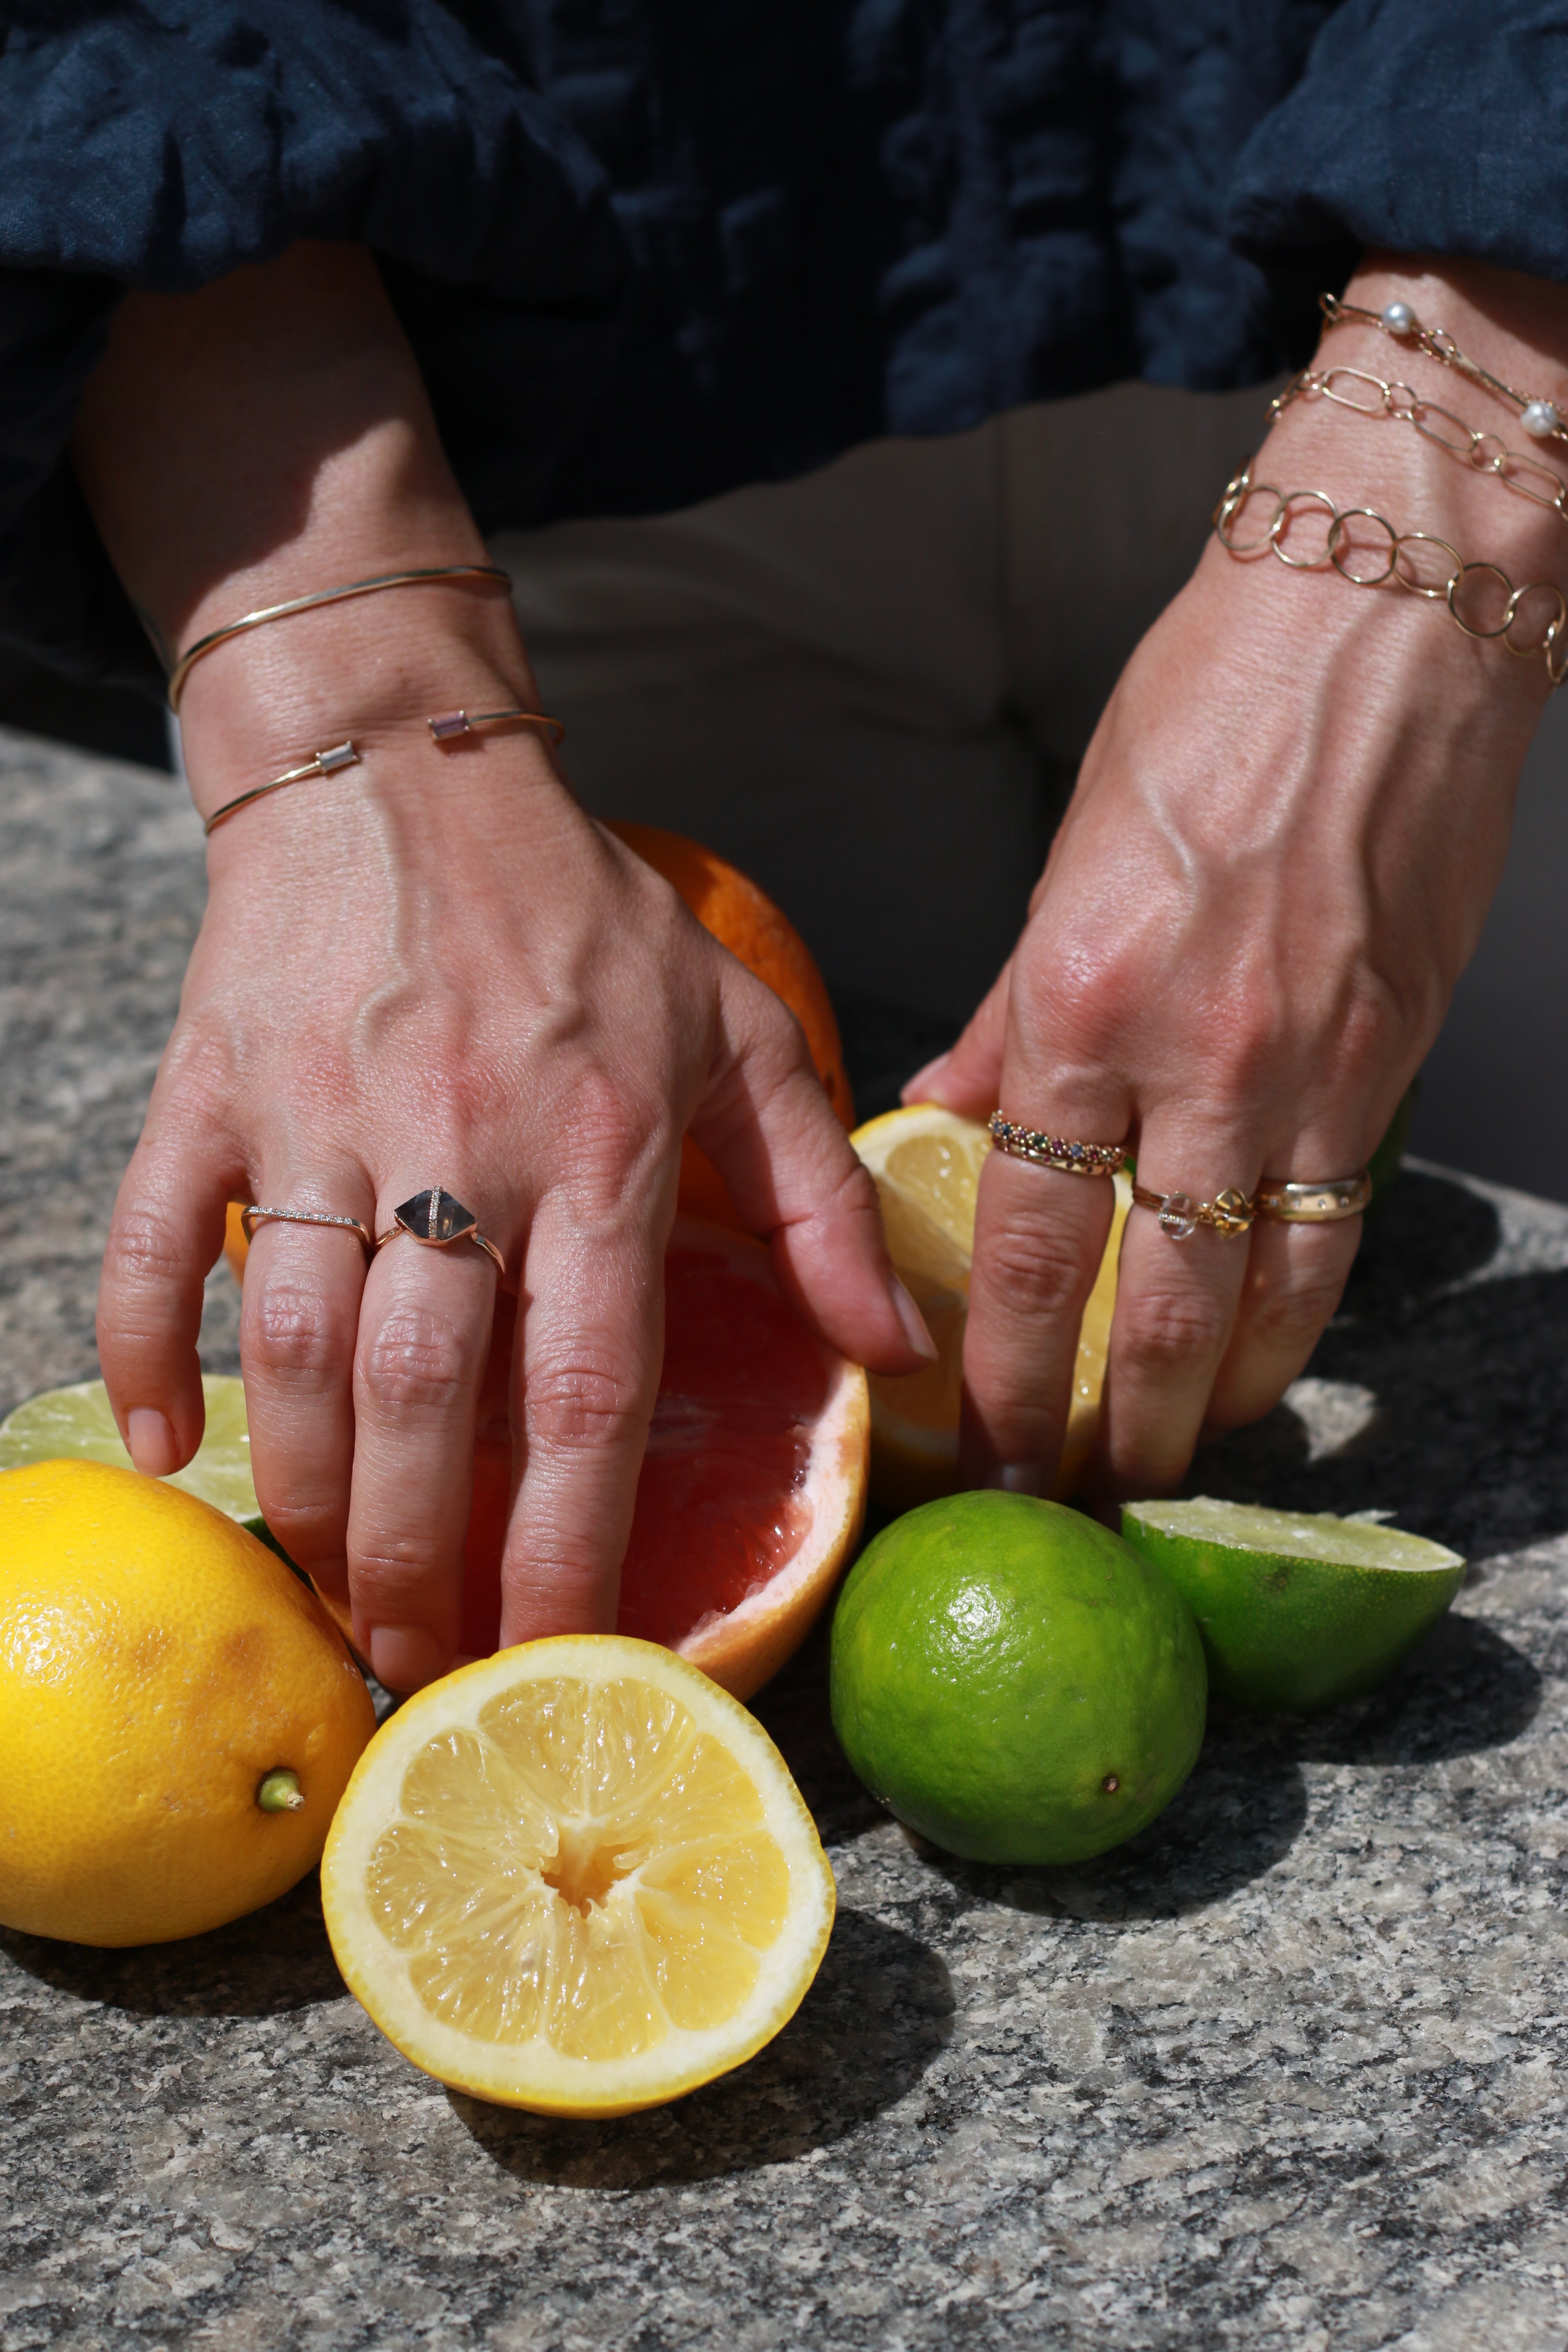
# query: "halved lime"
{"points": [[1297, 1608], [76, 1424]]}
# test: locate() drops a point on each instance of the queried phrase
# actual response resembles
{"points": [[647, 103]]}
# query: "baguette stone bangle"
{"points": [[321, 763]]}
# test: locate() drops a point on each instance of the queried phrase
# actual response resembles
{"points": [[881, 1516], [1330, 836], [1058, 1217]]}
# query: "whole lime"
{"points": [[1014, 1681]]}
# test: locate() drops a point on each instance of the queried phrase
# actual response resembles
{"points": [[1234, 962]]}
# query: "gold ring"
{"points": [[256, 1215], [1314, 1205], [1054, 1150], [436, 1220], [1180, 1215]]}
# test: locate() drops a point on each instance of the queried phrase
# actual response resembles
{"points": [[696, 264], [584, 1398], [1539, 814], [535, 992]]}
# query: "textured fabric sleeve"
{"points": [[155, 144], [1427, 126]]}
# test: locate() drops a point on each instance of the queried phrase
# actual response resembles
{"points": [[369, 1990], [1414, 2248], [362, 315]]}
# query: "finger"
{"points": [[1040, 1234], [590, 1343], [165, 1233], [299, 1323], [1176, 1304], [770, 1130], [423, 1332], [968, 1076], [1294, 1277]]}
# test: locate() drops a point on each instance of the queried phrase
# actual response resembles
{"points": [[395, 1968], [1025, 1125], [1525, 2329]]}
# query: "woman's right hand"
{"points": [[431, 967]]}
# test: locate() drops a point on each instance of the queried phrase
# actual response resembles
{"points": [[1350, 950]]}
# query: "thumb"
{"points": [[968, 1077]]}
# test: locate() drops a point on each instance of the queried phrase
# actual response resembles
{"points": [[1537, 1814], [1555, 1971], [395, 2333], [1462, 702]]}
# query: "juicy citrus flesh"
{"points": [[77, 1423], [156, 1663], [1014, 1681], [1298, 1610], [754, 1481], [577, 1877], [926, 1161]]}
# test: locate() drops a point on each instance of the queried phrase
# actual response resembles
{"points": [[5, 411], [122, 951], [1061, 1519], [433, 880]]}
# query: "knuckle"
{"points": [[293, 1334], [1166, 1331], [1288, 1314], [1039, 1268], [145, 1251], [580, 1404], [418, 1363]]}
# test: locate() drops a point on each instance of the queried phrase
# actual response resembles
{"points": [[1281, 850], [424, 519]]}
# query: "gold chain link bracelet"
{"points": [[1398, 564]]}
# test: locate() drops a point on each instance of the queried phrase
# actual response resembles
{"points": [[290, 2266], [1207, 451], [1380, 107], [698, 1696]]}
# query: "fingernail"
{"points": [[1016, 1477], [914, 1089], [913, 1321], [151, 1437], [407, 1657]]}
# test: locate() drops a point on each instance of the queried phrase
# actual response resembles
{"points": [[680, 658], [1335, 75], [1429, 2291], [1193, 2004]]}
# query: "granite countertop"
{"points": [[1288, 2070]]}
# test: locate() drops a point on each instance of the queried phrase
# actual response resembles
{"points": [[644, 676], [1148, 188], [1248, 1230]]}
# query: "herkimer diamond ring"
{"points": [[437, 1220]]}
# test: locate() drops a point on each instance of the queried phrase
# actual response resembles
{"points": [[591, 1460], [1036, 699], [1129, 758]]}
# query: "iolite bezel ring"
{"points": [[437, 1220]]}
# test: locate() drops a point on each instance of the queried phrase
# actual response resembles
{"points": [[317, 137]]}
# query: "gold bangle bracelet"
{"points": [[371, 587]]}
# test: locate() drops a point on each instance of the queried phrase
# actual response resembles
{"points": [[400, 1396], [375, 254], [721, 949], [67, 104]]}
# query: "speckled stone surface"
{"points": [[1288, 2070]]}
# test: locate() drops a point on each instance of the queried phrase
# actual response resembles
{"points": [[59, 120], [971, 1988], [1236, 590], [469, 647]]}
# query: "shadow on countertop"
{"points": [[274, 1960], [880, 2011]]}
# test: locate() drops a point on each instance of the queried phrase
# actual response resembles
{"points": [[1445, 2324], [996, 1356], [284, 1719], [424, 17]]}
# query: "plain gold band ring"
{"points": [[437, 1218], [1322, 1203], [256, 1215]]}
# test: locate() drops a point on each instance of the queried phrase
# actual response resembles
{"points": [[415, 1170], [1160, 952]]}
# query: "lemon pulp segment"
{"points": [[578, 1893]]}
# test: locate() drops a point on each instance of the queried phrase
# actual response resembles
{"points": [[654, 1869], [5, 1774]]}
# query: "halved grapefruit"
{"points": [[753, 1486]]}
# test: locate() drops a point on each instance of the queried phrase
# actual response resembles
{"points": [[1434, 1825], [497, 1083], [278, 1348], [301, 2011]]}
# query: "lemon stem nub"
{"points": [[280, 1793]]}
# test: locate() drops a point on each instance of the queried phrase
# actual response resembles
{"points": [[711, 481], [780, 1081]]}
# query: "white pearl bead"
{"points": [[1540, 419], [1398, 317]]}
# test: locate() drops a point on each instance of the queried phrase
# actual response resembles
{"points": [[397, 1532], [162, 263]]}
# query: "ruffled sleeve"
{"points": [[156, 145], [1424, 126]]}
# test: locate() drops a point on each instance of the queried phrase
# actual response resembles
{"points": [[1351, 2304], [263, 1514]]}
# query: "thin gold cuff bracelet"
{"points": [[417, 579]]}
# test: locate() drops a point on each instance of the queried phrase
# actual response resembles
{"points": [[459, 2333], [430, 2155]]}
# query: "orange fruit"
{"points": [[745, 920], [753, 1486]]}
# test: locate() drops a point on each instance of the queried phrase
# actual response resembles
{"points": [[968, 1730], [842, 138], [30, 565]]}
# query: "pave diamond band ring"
{"points": [[1180, 1215], [1314, 1205], [1056, 1151], [437, 1218], [256, 1215]]}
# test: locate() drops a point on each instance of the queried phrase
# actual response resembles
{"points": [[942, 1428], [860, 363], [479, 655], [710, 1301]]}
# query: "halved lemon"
{"points": [[926, 1161], [577, 1877]]}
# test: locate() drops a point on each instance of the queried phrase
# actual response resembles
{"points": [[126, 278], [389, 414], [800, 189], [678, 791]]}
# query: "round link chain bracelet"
{"points": [[1400, 553]]}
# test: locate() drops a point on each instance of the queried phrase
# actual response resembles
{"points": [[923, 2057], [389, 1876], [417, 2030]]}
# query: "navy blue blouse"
{"points": [[648, 249]]}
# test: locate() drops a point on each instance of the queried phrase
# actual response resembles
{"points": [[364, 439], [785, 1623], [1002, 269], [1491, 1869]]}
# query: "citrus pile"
{"points": [[178, 1719], [926, 1161], [577, 1877]]}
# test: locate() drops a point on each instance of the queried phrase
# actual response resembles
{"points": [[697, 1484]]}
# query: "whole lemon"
{"points": [[178, 1716], [1014, 1681]]}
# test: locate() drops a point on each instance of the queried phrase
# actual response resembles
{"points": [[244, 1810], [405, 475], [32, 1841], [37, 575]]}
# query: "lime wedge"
{"points": [[1297, 1608], [76, 1424]]}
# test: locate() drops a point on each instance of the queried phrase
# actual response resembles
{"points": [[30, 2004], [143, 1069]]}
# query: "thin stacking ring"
{"points": [[256, 1215], [436, 1220], [1056, 1151], [1180, 1215], [1322, 1203]]}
